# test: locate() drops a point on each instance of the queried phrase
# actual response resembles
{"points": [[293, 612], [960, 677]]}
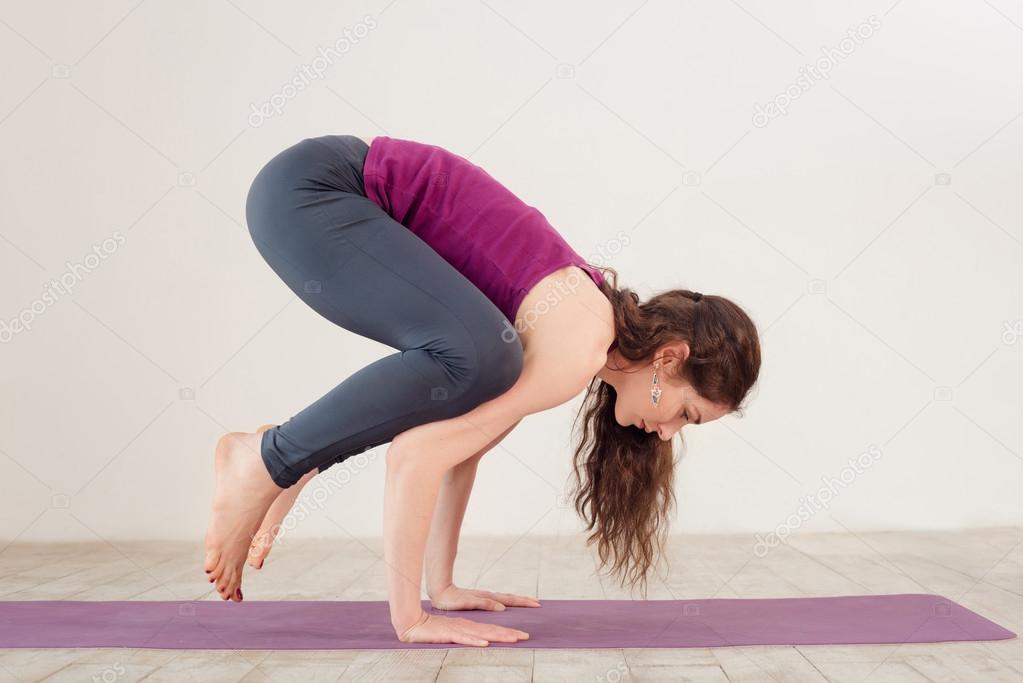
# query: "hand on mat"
{"points": [[453, 597], [435, 628]]}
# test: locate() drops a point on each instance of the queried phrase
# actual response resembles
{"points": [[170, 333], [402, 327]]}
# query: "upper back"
{"points": [[500, 243]]}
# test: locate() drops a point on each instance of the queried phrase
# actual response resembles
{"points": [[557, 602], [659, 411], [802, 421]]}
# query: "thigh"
{"points": [[348, 260]]}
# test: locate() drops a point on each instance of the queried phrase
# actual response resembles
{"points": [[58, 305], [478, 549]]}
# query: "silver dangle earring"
{"points": [[655, 389]]}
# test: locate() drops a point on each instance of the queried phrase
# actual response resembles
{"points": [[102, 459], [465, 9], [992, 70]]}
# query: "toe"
{"points": [[215, 569], [211, 563], [226, 588], [231, 582]]}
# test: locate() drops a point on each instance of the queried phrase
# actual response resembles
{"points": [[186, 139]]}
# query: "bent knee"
{"points": [[498, 368], [505, 368]]}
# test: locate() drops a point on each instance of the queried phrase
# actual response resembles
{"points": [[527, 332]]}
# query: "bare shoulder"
{"points": [[565, 324], [566, 307]]}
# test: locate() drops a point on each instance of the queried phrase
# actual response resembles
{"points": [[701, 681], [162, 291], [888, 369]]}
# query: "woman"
{"points": [[494, 317]]}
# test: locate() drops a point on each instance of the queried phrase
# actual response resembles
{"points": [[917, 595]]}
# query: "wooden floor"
{"points": [[983, 570]]}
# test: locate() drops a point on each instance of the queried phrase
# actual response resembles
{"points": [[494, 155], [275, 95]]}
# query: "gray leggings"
{"points": [[339, 252]]}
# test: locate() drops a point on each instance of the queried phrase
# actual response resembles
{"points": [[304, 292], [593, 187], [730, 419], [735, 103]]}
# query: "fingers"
{"points": [[451, 634], [504, 635], [519, 601], [491, 605], [463, 638], [438, 629], [470, 604], [516, 600], [501, 634]]}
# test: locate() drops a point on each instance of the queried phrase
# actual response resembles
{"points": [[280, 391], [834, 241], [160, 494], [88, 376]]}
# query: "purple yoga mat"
{"points": [[331, 625]]}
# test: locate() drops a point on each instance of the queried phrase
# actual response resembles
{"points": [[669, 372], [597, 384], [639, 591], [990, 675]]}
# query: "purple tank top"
{"points": [[498, 242]]}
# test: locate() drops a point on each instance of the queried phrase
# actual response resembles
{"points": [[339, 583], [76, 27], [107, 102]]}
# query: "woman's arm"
{"points": [[442, 543], [418, 459], [562, 351], [415, 466]]}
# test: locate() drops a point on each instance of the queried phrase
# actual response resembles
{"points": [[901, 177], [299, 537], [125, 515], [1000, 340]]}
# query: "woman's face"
{"points": [[678, 405]]}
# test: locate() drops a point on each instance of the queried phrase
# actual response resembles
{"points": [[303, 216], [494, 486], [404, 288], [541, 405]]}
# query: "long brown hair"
{"points": [[624, 477]]}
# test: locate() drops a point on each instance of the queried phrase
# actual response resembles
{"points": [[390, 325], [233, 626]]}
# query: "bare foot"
{"points": [[244, 492], [271, 526]]}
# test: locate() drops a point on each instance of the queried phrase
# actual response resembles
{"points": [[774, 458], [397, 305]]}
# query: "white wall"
{"points": [[873, 231]]}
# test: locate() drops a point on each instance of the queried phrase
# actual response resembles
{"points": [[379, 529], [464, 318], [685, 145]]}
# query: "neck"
{"points": [[606, 373]]}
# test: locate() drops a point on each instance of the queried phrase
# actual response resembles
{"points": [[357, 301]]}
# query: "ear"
{"points": [[677, 352]]}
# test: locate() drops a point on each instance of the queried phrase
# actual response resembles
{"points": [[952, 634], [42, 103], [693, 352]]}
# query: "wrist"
{"points": [[402, 629], [438, 588]]}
